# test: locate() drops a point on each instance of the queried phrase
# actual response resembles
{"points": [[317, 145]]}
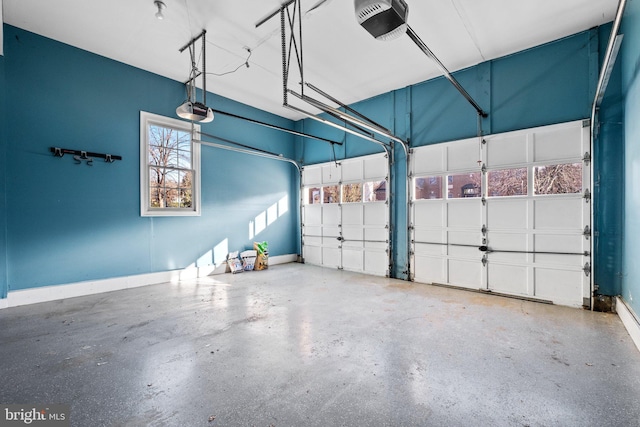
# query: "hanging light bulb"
{"points": [[161, 6]]}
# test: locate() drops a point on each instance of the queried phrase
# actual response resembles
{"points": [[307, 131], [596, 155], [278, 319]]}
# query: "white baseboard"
{"points": [[57, 292], [629, 320]]}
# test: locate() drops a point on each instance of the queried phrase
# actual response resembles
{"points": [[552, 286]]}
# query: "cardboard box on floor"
{"points": [[262, 260]]}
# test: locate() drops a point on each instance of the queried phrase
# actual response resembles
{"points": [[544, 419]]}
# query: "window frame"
{"points": [[146, 120]]}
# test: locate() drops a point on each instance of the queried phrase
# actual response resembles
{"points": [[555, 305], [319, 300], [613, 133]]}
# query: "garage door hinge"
{"points": [[586, 158], [587, 232], [586, 123], [484, 260], [484, 201], [587, 269], [484, 168], [484, 229], [587, 195]]}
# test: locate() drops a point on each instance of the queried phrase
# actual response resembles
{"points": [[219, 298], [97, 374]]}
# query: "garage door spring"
{"points": [[489, 250]]}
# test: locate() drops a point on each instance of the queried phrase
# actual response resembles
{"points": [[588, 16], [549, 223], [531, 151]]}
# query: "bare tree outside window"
{"points": [[170, 168], [558, 179], [507, 182], [331, 194], [351, 193]]}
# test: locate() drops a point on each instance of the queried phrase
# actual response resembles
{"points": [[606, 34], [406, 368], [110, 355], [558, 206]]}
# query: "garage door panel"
{"points": [[463, 155], [352, 170], [426, 249], [313, 215], [470, 253], [465, 238], [428, 160], [375, 167], [330, 215], [331, 173], [557, 285], [376, 262], [376, 234], [312, 175], [509, 242], [429, 235], [378, 246], [559, 214], [511, 279], [313, 254], [558, 144], [312, 240], [330, 236], [352, 259], [375, 214], [353, 233], [352, 214], [430, 269], [465, 273], [332, 257], [465, 214], [559, 243], [507, 214], [429, 213], [507, 150]]}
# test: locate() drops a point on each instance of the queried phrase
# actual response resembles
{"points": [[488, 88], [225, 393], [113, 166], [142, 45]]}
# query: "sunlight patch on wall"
{"points": [[220, 252], [272, 214], [283, 206], [267, 217], [261, 222]]}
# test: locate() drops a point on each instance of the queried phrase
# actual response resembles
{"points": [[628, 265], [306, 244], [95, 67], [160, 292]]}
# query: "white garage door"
{"points": [[345, 215], [509, 215]]}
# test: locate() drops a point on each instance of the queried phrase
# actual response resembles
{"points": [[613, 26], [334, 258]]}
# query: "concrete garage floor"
{"points": [[298, 345]]}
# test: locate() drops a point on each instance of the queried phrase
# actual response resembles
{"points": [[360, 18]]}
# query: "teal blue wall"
{"points": [[68, 223], [608, 174], [548, 84], [630, 57], [3, 168]]}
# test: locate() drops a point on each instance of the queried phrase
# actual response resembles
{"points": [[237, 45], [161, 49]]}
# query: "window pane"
{"points": [[313, 196], [185, 197], [464, 185], [173, 198], [375, 191], [171, 178], [352, 193], [156, 197], [429, 187], [558, 179], [331, 194], [507, 182]]}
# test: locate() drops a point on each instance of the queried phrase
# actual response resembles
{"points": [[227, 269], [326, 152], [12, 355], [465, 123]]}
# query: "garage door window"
{"points": [[507, 182], [375, 191], [429, 187], [558, 179], [352, 193], [331, 194], [464, 185], [313, 196]]}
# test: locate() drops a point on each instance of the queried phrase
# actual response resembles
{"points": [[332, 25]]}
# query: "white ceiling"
{"points": [[340, 57]]}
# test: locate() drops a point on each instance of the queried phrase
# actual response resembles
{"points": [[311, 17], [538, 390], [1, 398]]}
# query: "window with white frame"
{"points": [[169, 167]]}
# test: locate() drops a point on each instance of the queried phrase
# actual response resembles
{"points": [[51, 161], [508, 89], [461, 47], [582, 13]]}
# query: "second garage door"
{"points": [[345, 214], [509, 213]]}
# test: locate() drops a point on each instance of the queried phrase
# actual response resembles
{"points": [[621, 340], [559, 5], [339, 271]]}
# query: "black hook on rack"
{"points": [[79, 155]]}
